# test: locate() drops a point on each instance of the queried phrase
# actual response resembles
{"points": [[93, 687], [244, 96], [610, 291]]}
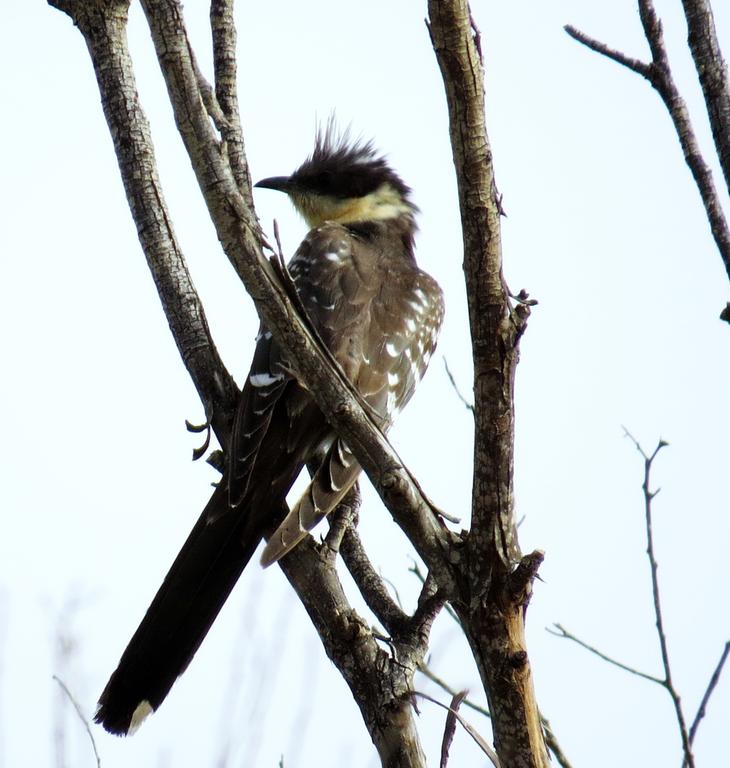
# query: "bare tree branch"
{"points": [[491, 614], [370, 584], [450, 727], [381, 684], [635, 65], [712, 74], [659, 74], [82, 717], [649, 495], [469, 406], [223, 28], [488, 751], [550, 738], [714, 680], [563, 633]]}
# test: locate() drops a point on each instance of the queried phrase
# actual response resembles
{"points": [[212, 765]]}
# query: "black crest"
{"points": [[342, 167]]}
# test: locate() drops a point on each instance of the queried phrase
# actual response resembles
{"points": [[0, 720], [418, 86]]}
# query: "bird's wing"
{"points": [[383, 336], [266, 383]]}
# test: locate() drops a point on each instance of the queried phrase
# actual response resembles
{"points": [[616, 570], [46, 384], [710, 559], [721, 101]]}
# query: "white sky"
{"points": [[604, 228]]}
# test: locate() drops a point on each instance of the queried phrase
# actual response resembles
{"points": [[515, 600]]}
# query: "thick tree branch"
{"points": [[489, 609], [381, 682], [715, 86], [712, 74], [103, 25], [223, 29]]}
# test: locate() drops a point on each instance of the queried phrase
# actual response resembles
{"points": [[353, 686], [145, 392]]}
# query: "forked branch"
{"points": [[713, 77]]}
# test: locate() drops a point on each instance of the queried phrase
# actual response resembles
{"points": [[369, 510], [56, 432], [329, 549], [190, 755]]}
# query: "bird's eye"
{"points": [[322, 181]]}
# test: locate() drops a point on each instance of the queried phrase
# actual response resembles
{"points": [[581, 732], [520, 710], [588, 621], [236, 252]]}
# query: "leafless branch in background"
{"points": [[469, 406], [666, 682], [714, 680], [713, 78], [82, 717], [560, 631]]}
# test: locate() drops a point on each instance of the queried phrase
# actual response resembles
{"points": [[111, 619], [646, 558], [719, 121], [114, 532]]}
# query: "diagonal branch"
{"points": [[714, 680], [104, 28], [562, 632], [659, 74], [370, 584], [635, 65], [712, 74]]}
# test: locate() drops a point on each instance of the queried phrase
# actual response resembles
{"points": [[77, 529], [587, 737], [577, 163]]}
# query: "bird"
{"points": [[379, 314]]}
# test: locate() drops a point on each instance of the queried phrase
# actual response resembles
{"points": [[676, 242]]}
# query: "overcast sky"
{"points": [[604, 228]]}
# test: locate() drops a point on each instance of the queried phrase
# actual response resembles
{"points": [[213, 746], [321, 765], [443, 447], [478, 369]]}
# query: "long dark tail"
{"points": [[191, 596]]}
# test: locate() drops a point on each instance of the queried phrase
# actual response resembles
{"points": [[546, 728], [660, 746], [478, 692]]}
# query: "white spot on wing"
{"points": [[264, 379], [416, 306], [393, 379], [334, 257], [391, 349]]}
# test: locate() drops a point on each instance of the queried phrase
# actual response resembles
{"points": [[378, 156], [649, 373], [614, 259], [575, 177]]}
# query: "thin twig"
{"points": [[450, 727], [488, 751], [701, 711], [563, 633], [550, 738], [426, 671], [552, 741], [83, 719], [469, 406], [649, 495], [635, 65]]}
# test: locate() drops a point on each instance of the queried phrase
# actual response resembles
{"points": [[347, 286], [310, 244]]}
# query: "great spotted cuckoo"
{"points": [[380, 315]]}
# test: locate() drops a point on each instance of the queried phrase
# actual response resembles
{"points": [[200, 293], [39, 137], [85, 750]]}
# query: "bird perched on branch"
{"points": [[379, 314]]}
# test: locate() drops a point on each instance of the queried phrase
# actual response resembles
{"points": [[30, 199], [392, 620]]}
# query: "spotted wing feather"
{"points": [[383, 337]]}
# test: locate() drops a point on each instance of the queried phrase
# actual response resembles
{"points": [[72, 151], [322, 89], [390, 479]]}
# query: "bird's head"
{"points": [[344, 181]]}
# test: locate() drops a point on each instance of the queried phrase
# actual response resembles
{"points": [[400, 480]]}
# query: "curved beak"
{"points": [[279, 183]]}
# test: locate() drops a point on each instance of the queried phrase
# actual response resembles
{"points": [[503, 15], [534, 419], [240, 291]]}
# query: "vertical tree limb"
{"points": [[491, 609], [712, 74], [223, 29]]}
